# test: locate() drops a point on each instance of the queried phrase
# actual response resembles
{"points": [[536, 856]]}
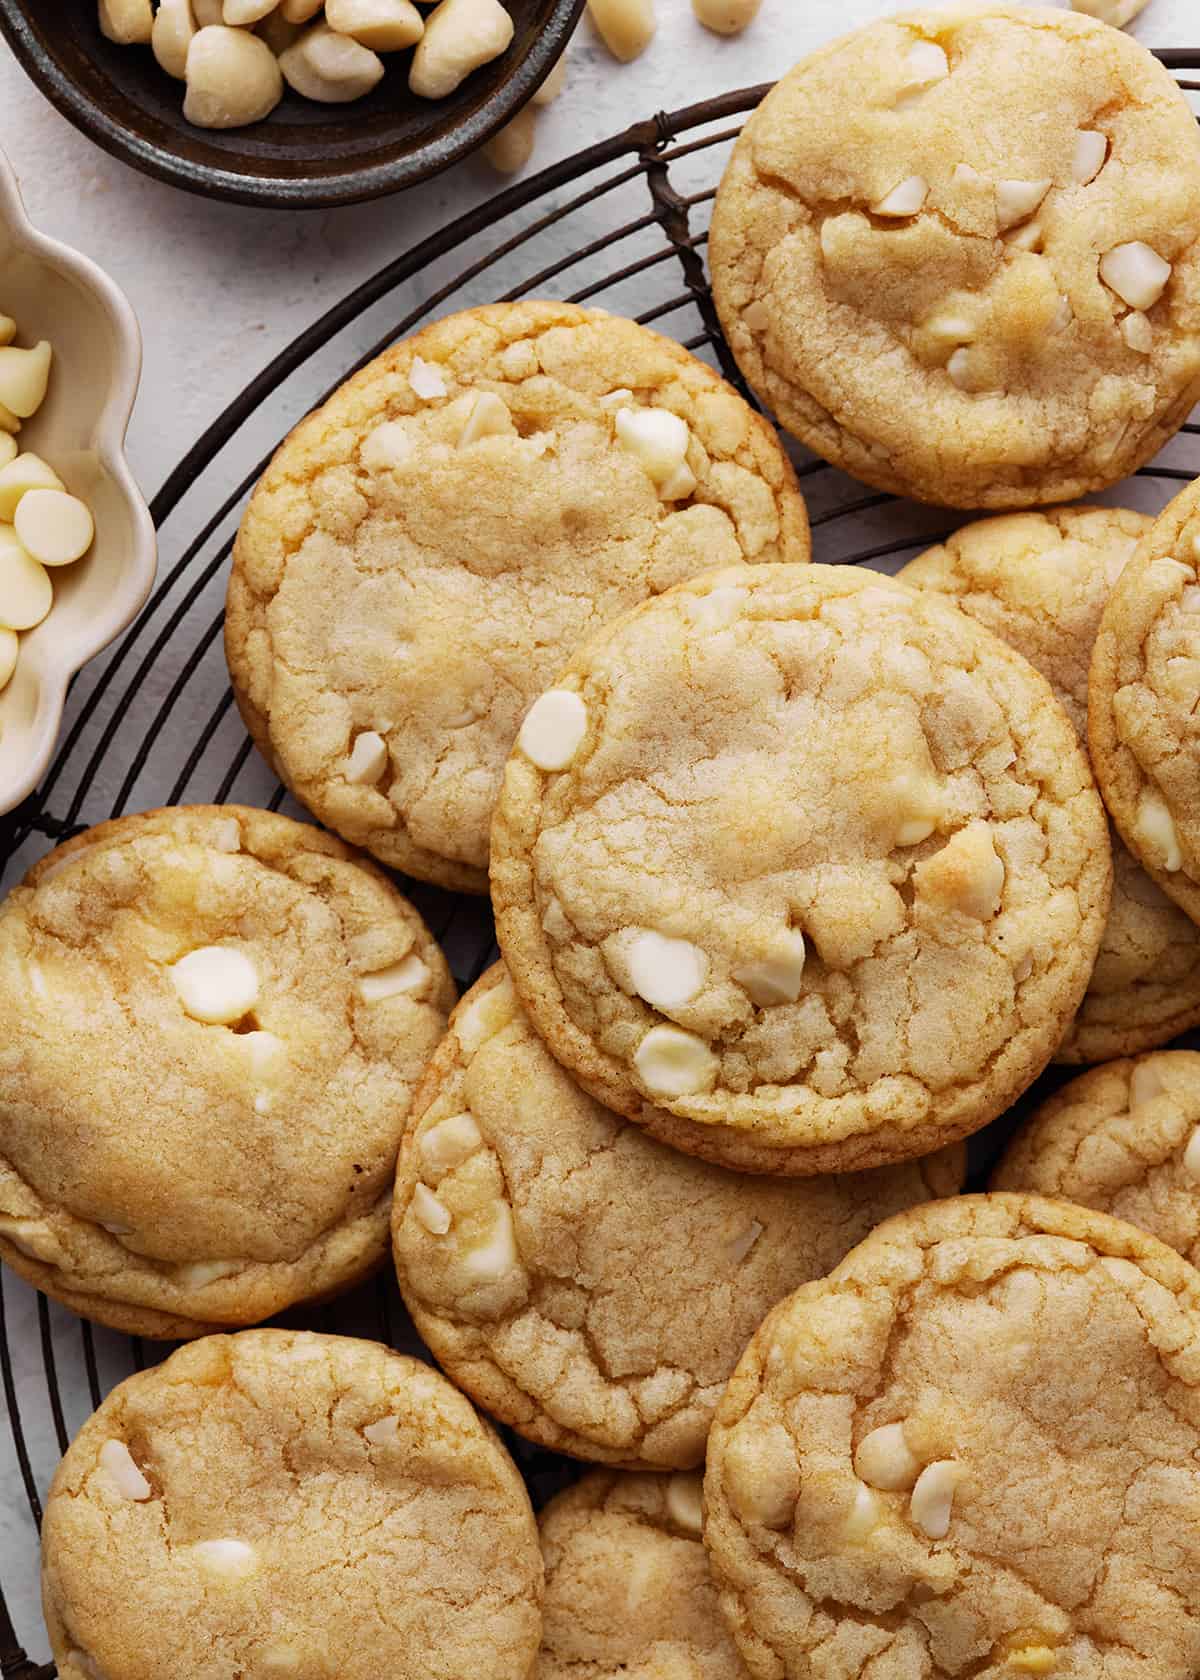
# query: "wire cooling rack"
{"points": [[643, 198]]}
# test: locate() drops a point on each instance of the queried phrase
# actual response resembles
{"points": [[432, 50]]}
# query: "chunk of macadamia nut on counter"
{"points": [[42, 525]]}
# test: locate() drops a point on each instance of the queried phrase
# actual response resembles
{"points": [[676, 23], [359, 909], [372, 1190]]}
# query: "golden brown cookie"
{"points": [[1040, 581], [1142, 709], [801, 869], [286, 1506], [629, 1595], [973, 1449], [987, 217], [1123, 1139], [425, 551], [215, 1019], [581, 1282]]}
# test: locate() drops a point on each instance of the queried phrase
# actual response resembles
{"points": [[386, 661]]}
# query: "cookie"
{"points": [[629, 1595], [582, 1283], [801, 869], [984, 216], [973, 1449], [1040, 581], [278, 1504], [1124, 1139], [215, 1019], [1143, 691], [425, 551]]}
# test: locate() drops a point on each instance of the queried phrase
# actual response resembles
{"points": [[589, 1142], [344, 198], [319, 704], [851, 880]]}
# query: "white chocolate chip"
{"points": [[933, 1497], [863, 1518], [407, 975], [666, 972], [460, 36], [966, 875], [1191, 1156], [756, 316], [1134, 271], [266, 1052], [1017, 200], [1089, 155], [368, 758], [679, 486], [382, 25], [1145, 1084], [739, 1248], [925, 64], [26, 593], [619, 398], [685, 1507], [951, 328], [488, 1261], [1027, 237], [553, 730], [1138, 333], [32, 1238], [329, 68], [477, 1021], [885, 1460], [389, 444], [216, 985], [1033, 1659], [904, 199], [198, 1274], [775, 979], [489, 417], [1183, 680], [625, 26], [448, 1144], [1156, 831], [24, 375], [658, 438], [227, 1560], [19, 476], [717, 608], [127, 22], [430, 1212], [959, 369], [118, 1464], [55, 527], [426, 379], [226, 836], [674, 1063], [384, 1432], [232, 78]]}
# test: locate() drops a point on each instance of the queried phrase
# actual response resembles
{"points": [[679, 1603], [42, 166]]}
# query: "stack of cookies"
{"points": [[801, 877]]}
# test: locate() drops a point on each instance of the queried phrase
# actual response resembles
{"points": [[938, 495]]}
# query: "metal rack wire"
{"points": [[655, 182]]}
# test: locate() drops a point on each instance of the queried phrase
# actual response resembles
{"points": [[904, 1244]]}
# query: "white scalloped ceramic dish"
{"points": [[55, 293]]}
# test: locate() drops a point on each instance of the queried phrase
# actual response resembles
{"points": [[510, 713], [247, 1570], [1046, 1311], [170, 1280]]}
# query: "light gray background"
{"points": [[220, 289]]}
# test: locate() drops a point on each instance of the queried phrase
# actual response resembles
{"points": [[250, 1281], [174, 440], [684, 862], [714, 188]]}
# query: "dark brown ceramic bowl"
{"points": [[304, 156]]}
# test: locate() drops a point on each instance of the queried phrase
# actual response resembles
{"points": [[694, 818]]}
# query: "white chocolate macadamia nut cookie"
{"points": [[584, 1284], [1124, 1139], [1041, 581], [1143, 724], [973, 1449], [823, 880], [425, 552], [280, 1505], [214, 1021], [629, 1594], [987, 217]]}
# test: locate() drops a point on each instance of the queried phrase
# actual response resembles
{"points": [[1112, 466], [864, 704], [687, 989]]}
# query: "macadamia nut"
{"points": [[232, 77], [460, 36]]}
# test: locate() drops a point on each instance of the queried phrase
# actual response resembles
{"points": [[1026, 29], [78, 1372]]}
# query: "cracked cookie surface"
{"points": [[1040, 581], [1143, 694], [426, 550], [822, 881], [215, 1019], [582, 1283], [999, 232], [282, 1504], [1122, 1139], [629, 1594], [972, 1450]]}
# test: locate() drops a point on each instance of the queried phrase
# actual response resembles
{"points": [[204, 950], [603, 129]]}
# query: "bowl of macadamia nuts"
{"points": [[77, 547], [295, 103]]}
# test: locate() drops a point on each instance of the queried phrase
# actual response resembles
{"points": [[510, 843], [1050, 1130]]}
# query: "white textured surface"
{"points": [[219, 289]]}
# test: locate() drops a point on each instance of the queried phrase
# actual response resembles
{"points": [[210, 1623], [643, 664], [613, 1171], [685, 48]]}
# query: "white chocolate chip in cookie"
{"points": [[1145, 1085], [117, 1462], [384, 1432], [1033, 1659], [762, 1475], [433, 1214], [959, 369], [966, 875], [885, 1460], [489, 1260], [718, 608], [407, 975], [777, 978], [367, 759], [1016, 201], [1136, 273], [553, 730], [741, 1245], [1156, 832], [1089, 156], [426, 379], [225, 1560], [216, 984], [659, 440], [1138, 333], [863, 1517], [1191, 1156], [666, 973], [924, 65], [389, 445], [266, 1051], [674, 1063], [933, 1497], [198, 1274], [915, 802], [904, 199], [684, 1503], [227, 836], [448, 1144], [489, 417], [484, 1016]]}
